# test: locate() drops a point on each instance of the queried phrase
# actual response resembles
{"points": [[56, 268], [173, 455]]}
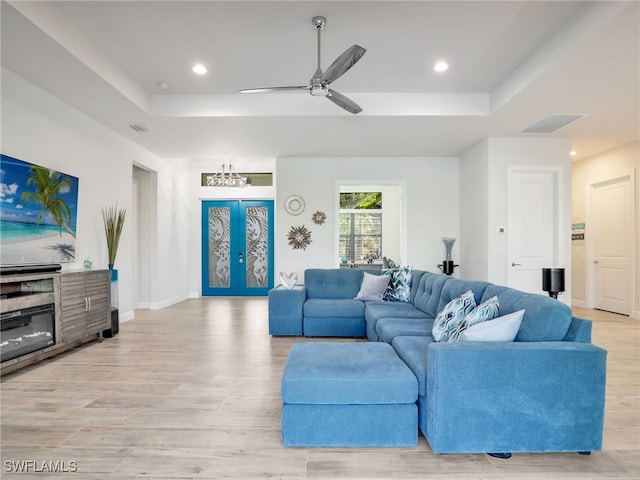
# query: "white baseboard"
{"points": [[579, 303], [125, 317], [168, 302], [635, 315], [163, 304]]}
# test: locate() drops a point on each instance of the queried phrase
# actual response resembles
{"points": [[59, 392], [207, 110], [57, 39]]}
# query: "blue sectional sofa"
{"points": [[543, 392]]}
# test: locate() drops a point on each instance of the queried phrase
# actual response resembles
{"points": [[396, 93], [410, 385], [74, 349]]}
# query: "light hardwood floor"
{"points": [[193, 391]]}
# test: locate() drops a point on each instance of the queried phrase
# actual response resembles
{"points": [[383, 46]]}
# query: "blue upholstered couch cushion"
{"points": [[332, 283], [416, 276], [413, 352], [389, 328], [378, 310], [545, 318], [428, 291], [337, 307], [346, 373], [454, 287], [375, 311]]}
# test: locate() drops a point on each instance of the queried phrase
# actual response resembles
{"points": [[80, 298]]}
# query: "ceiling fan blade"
{"points": [[273, 89], [344, 102], [343, 63]]}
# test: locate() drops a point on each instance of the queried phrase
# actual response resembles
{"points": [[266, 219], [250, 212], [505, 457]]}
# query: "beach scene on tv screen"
{"points": [[38, 213]]}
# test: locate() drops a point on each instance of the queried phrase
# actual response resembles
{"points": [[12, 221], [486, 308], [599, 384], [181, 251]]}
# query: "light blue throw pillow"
{"points": [[501, 329], [483, 312], [373, 287], [452, 315], [399, 289]]}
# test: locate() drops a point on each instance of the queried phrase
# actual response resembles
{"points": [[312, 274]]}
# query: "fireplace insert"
{"points": [[26, 330]]}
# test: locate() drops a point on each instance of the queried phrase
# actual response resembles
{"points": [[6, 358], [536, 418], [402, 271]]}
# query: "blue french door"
{"points": [[237, 247]]}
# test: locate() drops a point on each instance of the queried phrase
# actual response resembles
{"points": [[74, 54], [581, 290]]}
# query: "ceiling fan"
{"points": [[319, 83]]}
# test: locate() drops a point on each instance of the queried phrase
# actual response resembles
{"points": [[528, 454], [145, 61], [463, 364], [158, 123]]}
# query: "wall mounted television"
{"points": [[38, 214]]}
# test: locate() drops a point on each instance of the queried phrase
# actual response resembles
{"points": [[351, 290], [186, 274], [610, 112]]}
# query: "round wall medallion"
{"points": [[294, 205]]}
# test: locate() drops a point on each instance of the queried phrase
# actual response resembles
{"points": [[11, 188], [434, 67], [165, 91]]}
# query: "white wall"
{"points": [[39, 128], [431, 203], [616, 163], [474, 213], [171, 263]]}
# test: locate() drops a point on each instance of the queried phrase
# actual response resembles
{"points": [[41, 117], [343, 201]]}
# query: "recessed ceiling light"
{"points": [[199, 69], [572, 153], [441, 66]]}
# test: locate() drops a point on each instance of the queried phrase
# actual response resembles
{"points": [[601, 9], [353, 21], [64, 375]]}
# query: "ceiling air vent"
{"points": [[138, 127], [551, 123]]}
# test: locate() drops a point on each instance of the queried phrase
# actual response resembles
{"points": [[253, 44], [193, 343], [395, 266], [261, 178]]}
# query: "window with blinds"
{"points": [[361, 225]]}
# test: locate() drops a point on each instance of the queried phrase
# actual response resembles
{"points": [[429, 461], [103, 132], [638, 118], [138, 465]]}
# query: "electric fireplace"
{"points": [[27, 316], [26, 330]]}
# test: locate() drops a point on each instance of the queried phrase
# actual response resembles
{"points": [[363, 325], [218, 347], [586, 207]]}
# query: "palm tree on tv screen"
{"points": [[48, 186]]}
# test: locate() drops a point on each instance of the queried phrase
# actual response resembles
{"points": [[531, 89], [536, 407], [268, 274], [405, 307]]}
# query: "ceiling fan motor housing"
{"points": [[319, 91]]}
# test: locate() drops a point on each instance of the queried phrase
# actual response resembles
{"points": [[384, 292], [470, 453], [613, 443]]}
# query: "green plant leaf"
{"points": [[113, 223]]}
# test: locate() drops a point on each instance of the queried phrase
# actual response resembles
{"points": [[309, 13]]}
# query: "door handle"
{"points": [[514, 264], [240, 258], [595, 261]]}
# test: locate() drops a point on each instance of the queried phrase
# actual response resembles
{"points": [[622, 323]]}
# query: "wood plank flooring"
{"points": [[193, 391]]}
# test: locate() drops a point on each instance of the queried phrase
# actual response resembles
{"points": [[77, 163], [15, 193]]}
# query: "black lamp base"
{"points": [[447, 267]]}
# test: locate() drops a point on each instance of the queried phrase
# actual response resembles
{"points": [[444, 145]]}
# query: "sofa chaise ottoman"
{"points": [[357, 394]]}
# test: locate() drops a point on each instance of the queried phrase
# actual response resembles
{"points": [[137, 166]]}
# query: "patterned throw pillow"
{"points": [[399, 289], [373, 286], [483, 312], [451, 315]]}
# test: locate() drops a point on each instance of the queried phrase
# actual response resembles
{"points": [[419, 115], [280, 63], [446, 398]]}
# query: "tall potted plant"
{"points": [[113, 223]]}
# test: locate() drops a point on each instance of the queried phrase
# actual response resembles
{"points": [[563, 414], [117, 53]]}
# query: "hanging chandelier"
{"points": [[222, 178]]}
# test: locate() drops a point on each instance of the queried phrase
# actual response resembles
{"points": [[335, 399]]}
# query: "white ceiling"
{"points": [[512, 63]]}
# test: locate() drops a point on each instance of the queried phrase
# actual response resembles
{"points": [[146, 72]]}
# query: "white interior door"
{"points": [[612, 245], [532, 227]]}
